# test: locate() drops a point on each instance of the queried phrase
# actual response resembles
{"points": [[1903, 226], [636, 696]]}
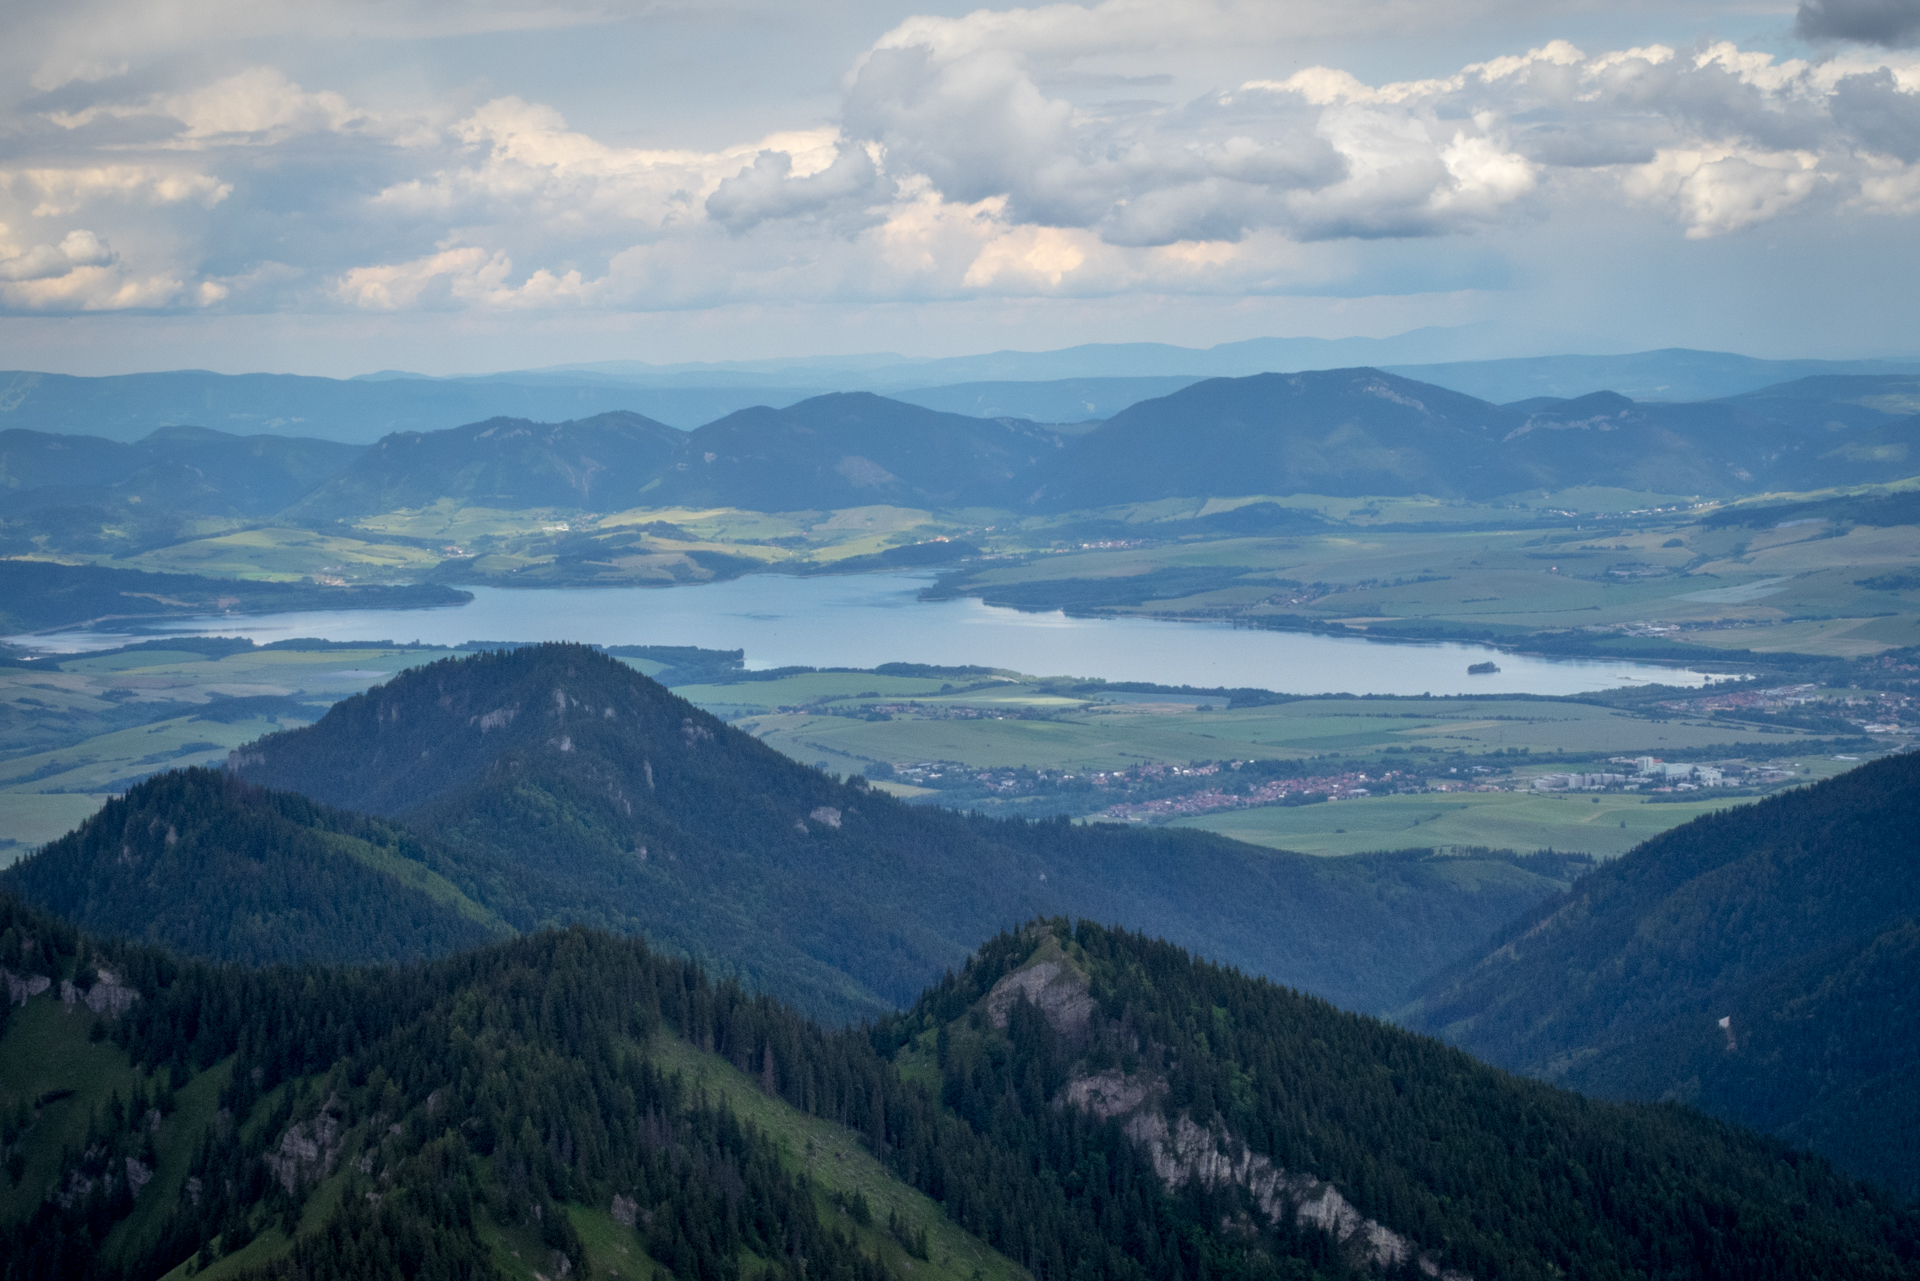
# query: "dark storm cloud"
{"points": [[1892, 23]]}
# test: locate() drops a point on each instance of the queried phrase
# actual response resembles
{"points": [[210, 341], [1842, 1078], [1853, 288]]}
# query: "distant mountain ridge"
{"points": [[1351, 432], [1032, 385], [1759, 963], [1340, 432]]}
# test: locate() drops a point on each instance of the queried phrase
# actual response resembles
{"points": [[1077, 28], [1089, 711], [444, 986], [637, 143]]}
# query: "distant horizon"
{"points": [[834, 363]]}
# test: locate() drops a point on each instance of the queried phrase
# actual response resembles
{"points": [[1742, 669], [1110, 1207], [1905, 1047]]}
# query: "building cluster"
{"points": [[1658, 775], [1874, 713], [1332, 787]]}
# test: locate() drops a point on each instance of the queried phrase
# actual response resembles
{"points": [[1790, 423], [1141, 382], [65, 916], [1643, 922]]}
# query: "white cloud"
{"points": [[76, 249], [1725, 189], [58, 192], [990, 155]]}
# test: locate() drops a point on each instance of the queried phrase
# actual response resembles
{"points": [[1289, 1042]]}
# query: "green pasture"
{"points": [[285, 554], [1075, 735], [47, 790], [1604, 826], [836, 1161]]}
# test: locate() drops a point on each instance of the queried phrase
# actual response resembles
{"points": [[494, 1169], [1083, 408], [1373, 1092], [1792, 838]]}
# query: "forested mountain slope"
{"points": [[511, 1113], [849, 450], [1760, 963], [1361, 431], [604, 462], [214, 867], [186, 468], [1341, 431], [574, 789], [1088, 1103]]}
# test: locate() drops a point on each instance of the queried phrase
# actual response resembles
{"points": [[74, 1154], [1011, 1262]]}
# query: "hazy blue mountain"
{"points": [[1067, 400], [1759, 963], [1342, 432], [1830, 401], [889, 371], [183, 468], [1353, 432], [127, 407], [573, 789], [1673, 373], [850, 449], [604, 462]]}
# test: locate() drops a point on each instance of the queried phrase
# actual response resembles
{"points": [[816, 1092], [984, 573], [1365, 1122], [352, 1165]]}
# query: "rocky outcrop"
{"points": [[1057, 988], [306, 1152], [22, 986], [108, 995], [1182, 1150]]}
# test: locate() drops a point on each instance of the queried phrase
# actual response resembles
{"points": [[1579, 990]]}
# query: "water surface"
{"points": [[863, 620]]}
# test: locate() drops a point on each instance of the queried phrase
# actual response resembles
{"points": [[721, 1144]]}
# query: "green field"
{"points": [[1077, 733], [70, 738], [1604, 826]]}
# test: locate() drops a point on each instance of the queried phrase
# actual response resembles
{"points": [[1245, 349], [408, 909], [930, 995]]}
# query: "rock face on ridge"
{"points": [[1108, 1060], [1052, 983]]}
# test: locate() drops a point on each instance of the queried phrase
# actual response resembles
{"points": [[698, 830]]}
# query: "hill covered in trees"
{"points": [[1084, 1101], [565, 787], [1759, 963], [210, 866]]}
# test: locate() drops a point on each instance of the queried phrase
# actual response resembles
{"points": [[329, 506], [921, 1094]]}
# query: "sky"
{"points": [[336, 188]]}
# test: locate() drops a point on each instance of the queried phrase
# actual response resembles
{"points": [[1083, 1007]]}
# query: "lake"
{"points": [[863, 620]]}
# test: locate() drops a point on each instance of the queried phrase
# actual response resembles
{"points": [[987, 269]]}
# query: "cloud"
{"points": [[1892, 23], [257, 106], [851, 191], [47, 262], [1064, 150], [63, 191], [82, 273]]}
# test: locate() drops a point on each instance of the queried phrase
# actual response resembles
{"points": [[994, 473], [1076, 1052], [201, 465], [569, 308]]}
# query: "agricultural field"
{"points": [[1055, 725], [72, 737], [1714, 584], [1605, 826]]}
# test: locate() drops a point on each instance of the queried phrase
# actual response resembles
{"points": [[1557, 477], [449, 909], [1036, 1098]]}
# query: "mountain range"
{"points": [[1071, 385], [1335, 432], [555, 784], [1057, 1099], [1073, 1101]]}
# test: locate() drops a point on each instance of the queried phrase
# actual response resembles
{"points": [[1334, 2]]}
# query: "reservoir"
{"points": [[864, 620]]}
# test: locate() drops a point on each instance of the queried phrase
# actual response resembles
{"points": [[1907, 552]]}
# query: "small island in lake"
{"points": [[1482, 669]]}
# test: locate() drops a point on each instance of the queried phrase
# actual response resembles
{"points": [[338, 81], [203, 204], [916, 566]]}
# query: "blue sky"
{"points": [[463, 187]]}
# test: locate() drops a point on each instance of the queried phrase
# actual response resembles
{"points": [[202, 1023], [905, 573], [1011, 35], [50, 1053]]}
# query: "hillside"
{"points": [[603, 462], [178, 1119], [213, 867], [1254, 1103], [595, 796], [575, 1104], [36, 595], [852, 449], [1337, 432], [1361, 431], [184, 468], [1758, 963]]}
